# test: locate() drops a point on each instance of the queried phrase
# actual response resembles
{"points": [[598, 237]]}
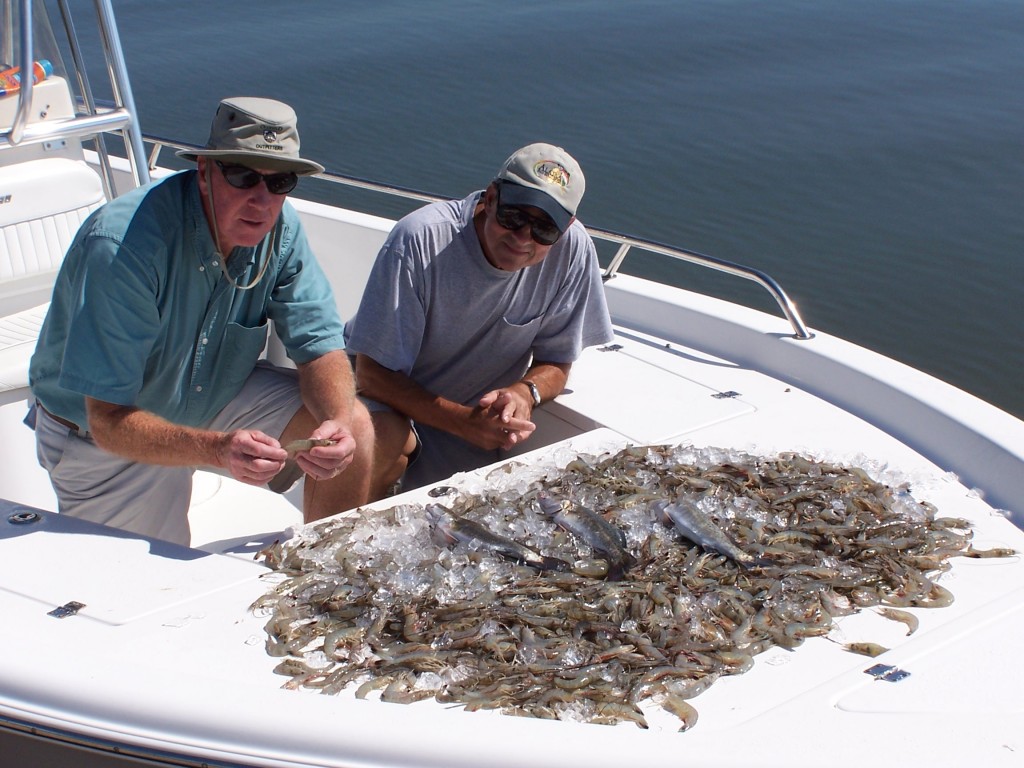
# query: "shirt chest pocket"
{"points": [[242, 348], [515, 337]]}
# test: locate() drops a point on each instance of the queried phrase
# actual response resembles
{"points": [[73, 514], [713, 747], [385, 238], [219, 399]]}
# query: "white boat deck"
{"points": [[189, 665], [118, 650]]}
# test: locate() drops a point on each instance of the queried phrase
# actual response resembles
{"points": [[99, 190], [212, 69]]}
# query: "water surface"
{"points": [[869, 155]]}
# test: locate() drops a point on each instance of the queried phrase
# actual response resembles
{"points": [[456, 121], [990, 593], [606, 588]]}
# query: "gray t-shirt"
{"points": [[436, 310]]}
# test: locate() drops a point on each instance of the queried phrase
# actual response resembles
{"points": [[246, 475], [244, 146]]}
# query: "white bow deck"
{"points": [[121, 650], [176, 661]]}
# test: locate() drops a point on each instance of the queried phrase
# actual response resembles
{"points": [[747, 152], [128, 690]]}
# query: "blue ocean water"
{"points": [[868, 154]]}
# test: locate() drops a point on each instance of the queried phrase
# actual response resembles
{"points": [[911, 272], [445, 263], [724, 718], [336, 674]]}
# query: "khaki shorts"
{"points": [[438, 454], [149, 499]]}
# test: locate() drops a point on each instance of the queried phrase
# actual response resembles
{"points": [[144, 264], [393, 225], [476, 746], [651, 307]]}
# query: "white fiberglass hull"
{"points": [[118, 650], [166, 656]]}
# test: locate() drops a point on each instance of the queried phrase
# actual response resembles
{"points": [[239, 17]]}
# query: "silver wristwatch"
{"points": [[534, 392]]}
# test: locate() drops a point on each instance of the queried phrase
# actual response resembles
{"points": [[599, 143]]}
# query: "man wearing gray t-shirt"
{"points": [[472, 316]]}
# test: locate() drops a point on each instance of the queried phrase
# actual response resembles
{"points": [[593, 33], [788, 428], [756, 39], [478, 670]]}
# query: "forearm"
{"points": [[404, 395], [328, 387], [549, 378], [145, 437]]}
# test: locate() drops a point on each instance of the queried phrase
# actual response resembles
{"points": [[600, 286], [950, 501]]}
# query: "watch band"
{"points": [[534, 392]]}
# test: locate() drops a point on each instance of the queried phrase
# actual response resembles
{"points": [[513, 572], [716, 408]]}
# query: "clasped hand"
{"points": [[254, 457], [501, 420]]}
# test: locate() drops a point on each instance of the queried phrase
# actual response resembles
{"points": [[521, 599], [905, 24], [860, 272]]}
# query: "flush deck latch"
{"points": [[68, 609], [887, 673]]}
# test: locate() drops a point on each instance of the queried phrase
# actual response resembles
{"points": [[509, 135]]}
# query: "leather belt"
{"points": [[63, 422]]}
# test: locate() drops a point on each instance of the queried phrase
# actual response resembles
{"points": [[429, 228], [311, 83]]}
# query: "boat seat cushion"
{"points": [[18, 334], [42, 204]]}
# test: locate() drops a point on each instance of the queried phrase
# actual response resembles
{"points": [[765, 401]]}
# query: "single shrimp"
{"points": [[897, 615], [299, 446]]}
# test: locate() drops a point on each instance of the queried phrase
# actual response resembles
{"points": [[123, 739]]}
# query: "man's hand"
{"points": [[327, 461], [251, 456], [501, 420]]}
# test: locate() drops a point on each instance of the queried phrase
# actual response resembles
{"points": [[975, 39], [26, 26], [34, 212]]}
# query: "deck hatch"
{"points": [[125, 577], [641, 374]]}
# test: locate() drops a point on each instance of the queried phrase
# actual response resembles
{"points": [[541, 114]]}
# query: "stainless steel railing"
{"points": [[763, 279], [625, 242], [27, 58], [121, 118], [90, 122]]}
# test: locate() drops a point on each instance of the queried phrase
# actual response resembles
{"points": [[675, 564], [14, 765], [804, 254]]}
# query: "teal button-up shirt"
{"points": [[143, 315]]}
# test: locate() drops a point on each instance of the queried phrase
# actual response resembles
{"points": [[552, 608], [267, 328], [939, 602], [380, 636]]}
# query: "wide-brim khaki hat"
{"points": [[259, 133]]}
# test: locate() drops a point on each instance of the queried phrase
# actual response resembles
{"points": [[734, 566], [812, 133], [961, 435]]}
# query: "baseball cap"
{"points": [[543, 176]]}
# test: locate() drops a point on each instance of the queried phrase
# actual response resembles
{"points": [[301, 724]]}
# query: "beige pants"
{"points": [[150, 499]]}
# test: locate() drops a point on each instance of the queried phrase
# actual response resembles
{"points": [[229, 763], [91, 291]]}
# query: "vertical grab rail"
{"points": [[123, 97], [85, 86], [25, 91]]}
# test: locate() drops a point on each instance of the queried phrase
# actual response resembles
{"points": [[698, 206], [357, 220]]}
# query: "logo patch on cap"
{"points": [[549, 170], [270, 135]]}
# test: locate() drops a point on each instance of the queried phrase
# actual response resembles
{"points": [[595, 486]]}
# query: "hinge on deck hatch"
{"points": [[68, 609], [888, 673], [725, 395]]}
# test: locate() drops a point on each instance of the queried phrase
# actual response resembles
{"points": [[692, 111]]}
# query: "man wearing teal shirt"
{"points": [[148, 363]]}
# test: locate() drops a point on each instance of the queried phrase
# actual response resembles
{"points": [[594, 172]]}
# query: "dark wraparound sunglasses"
{"points": [[242, 177], [542, 229]]}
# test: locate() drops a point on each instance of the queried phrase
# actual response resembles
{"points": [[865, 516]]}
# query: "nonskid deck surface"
{"points": [[176, 622]]}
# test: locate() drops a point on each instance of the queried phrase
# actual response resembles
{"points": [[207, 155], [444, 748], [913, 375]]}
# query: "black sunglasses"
{"points": [[242, 177], [542, 229]]}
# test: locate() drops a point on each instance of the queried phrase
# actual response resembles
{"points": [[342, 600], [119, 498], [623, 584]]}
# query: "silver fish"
{"points": [[459, 529], [603, 537], [696, 526]]}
